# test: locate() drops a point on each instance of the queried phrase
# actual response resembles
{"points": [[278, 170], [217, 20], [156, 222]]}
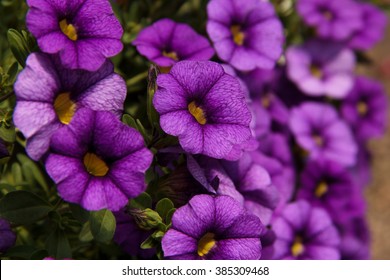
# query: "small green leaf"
{"points": [[18, 45], [23, 207], [39, 255], [12, 72], [142, 201], [21, 252], [158, 234], [8, 134], [163, 207], [57, 245], [28, 164], [85, 233], [168, 219], [129, 120], [102, 225], [149, 243]]}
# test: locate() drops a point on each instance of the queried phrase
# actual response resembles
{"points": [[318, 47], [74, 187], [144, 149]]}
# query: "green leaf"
{"points": [[12, 72], [18, 45], [142, 201], [149, 243], [102, 225], [163, 207], [39, 255], [21, 252], [28, 164], [153, 116], [168, 219], [7, 133], [129, 120], [57, 245], [85, 233], [23, 207]]}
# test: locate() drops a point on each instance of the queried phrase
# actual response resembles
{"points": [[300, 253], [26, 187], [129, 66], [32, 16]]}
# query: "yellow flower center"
{"points": [[316, 71], [362, 108], [238, 35], [95, 165], [68, 29], [206, 243], [297, 247], [266, 101], [172, 55], [64, 107], [197, 113], [318, 140], [321, 189]]}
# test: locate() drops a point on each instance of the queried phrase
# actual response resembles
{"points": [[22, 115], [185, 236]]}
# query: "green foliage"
{"points": [[102, 224], [23, 207]]}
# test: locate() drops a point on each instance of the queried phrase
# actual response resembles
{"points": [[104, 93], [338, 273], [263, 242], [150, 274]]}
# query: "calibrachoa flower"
{"points": [[365, 108], [213, 228], [129, 236], [246, 34], [204, 107], [166, 42], [373, 29], [320, 132], [48, 96], [97, 161], [7, 236], [305, 232], [333, 19], [355, 239], [328, 185], [321, 68], [83, 32]]}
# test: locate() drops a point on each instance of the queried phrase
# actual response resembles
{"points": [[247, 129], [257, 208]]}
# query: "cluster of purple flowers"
{"points": [[269, 153]]}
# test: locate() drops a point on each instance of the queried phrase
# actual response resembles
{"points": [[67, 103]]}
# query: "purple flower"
{"points": [[373, 29], [204, 107], [328, 185], [48, 95], [83, 32], [305, 232], [365, 109], [321, 68], [320, 132], [7, 236], [97, 161], [245, 181], [246, 34], [332, 19], [213, 228], [166, 42], [129, 236]]}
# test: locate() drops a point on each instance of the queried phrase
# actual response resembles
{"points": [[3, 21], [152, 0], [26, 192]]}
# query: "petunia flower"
{"points": [[321, 68], [7, 236], [329, 185], [305, 232], [322, 134], [332, 19], [204, 107], [48, 95], [365, 38], [83, 32], [166, 42], [213, 228], [97, 161], [246, 34], [365, 109]]}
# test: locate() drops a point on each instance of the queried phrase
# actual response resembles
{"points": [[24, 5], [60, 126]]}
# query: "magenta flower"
{"points": [[373, 29], [365, 109], [332, 19], [97, 161], [48, 96], [166, 42], [213, 228], [204, 107], [320, 132], [321, 68], [305, 232], [83, 32], [246, 34]]}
